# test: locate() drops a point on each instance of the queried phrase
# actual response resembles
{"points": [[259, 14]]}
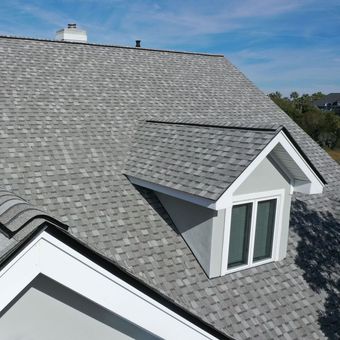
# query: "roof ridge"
{"points": [[224, 125], [110, 45]]}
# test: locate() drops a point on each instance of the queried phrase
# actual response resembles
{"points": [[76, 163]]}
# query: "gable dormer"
{"points": [[227, 187]]}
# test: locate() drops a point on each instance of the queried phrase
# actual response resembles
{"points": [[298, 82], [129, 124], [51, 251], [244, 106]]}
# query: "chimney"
{"points": [[138, 43], [71, 33]]}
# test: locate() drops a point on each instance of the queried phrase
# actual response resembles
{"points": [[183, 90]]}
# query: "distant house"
{"points": [[156, 194], [331, 102]]}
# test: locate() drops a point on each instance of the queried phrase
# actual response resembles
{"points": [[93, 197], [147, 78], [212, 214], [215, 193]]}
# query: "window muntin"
{"points": [[257, 231], [239, 235]]}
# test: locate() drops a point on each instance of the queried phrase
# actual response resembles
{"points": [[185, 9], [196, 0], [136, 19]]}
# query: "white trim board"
{"points": [[313, 186], [49, 256]]}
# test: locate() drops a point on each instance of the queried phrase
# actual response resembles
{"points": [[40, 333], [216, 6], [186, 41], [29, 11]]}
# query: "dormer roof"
{"points": [[204, 160]]}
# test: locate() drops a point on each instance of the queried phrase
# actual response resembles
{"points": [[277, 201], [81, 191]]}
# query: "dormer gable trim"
{"points": [[314, 185]]}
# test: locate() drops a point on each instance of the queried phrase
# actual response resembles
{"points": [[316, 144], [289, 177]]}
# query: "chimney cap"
{"points": [[138, 43], [72, 33]]}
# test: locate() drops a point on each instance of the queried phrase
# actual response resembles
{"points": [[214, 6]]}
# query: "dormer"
{"points": [[227, 187]]}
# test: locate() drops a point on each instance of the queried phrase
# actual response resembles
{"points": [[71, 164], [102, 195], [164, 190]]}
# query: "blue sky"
{"points": [[280, 45]]}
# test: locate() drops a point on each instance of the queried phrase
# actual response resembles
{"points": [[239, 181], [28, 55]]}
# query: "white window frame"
{"points": [[254, 199]]}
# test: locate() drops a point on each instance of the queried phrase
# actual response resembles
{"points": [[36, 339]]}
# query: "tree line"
{"points": [[322, 126]]}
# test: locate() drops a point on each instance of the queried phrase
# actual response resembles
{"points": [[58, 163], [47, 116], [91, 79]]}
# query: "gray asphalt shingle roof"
{"points": [[69, 113], [197, 159]]}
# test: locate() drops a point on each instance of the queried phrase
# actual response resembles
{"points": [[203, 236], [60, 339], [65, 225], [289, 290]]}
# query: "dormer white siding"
{"points": [[201, 228]]}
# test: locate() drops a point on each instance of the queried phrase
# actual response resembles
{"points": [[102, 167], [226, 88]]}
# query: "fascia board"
{"points": [[204, 202]]}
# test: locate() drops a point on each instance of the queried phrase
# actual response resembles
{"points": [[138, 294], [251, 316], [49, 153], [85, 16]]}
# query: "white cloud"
{"points": [[182, 20], [263, 8]]}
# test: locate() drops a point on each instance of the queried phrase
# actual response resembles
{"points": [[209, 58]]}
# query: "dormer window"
{"points": [[254, 232], [226, 187]]}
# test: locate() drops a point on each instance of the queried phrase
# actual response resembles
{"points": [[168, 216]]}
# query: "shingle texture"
{"points": [[69, 113], [197, 159]]}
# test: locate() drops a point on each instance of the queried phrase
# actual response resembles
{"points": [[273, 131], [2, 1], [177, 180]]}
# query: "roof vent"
{"points": [[71, 33], [138, 43]]}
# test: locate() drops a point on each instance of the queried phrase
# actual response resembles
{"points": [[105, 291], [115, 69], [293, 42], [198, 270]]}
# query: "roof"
{"points": [[69, 114]]}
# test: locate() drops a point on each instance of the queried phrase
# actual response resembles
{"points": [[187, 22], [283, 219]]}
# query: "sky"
{"points": [[281, 45]]}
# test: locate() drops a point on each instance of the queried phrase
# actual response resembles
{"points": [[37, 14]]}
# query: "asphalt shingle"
{"points": [[69, 113], [200, 160]]}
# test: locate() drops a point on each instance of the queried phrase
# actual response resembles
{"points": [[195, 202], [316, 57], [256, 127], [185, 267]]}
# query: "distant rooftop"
{"points": [[330, 98]]}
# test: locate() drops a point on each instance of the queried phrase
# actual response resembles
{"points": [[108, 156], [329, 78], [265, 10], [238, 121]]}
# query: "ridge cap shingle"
{"points": [[219, 124], [16, 213], [111, 45]]}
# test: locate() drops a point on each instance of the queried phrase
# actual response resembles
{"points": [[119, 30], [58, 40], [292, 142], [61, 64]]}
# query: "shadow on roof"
{"points": [[318, 255], [156, 205]]}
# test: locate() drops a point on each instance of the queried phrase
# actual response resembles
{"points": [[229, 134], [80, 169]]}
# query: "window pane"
{"points": [[265, 222], [239, 235]]}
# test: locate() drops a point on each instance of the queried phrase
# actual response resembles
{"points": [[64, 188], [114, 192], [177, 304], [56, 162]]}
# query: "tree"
{"points": [[294, 95], [323, 127], [275, 95], [317, 95]]}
